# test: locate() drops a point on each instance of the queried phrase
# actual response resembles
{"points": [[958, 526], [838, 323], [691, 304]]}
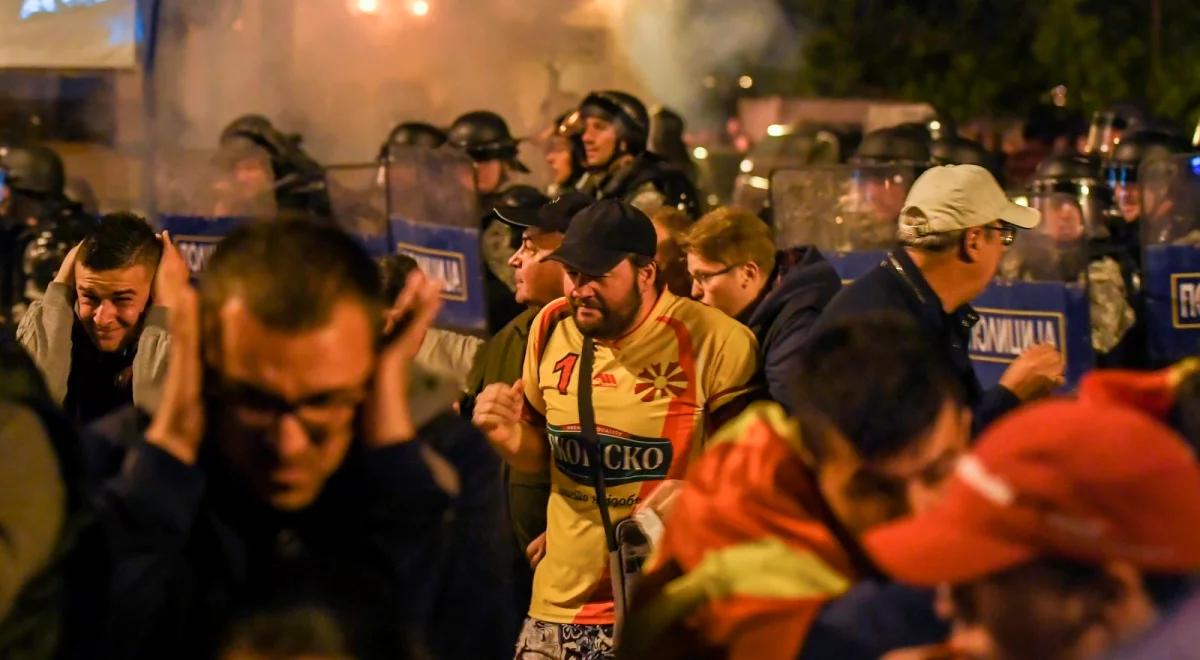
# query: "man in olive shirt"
{"points": [[501, 359]]}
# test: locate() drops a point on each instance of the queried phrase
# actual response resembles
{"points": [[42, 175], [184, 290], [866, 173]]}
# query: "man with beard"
{"points": [[96, 336], [654, 373]]}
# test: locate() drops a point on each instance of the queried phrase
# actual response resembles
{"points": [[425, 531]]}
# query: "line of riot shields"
{"points": [[1040, 295], [414, 201]]}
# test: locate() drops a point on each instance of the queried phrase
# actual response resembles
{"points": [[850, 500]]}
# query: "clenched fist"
{"points": [[498, 415]]}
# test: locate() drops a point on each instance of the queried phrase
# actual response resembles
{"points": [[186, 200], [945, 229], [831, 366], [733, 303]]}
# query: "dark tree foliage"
{"points": [[995, 57]]}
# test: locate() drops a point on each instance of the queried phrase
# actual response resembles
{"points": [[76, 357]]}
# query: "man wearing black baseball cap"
{"points": [[653, 374], [502, 357]]}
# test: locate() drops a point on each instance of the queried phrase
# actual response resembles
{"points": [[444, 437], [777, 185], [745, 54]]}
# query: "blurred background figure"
{"points": [[49, 593], [667, 129], [39, 224], [304, 633], [294, 178], [564, 158], [671, 226]]}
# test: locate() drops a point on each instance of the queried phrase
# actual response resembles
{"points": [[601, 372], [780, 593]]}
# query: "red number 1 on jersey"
{"points": [[564, 368]]}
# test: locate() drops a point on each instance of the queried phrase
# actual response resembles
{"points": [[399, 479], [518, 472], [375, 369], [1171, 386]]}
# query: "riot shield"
{"points": [[1056, 250], [849, 212], [358, 199], [433, 215], [1040, 294], [201, 196], [1171, 256]]}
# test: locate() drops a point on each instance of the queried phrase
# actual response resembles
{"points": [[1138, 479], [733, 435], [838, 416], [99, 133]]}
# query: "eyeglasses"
{"points": [[256, 409], [1008, 233], [703, 278]]}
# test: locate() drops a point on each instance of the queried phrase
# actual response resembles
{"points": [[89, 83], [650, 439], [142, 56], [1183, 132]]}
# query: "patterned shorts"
{"points": [[541, 640]]}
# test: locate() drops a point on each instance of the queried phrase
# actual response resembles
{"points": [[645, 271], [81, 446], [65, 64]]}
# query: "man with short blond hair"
{"points": [[734, 267]]}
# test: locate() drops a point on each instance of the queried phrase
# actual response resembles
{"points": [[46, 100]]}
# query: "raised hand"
{"points": [[178, 426]]}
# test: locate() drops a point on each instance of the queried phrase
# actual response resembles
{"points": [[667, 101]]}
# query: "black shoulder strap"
{"points": [[591, 440]]}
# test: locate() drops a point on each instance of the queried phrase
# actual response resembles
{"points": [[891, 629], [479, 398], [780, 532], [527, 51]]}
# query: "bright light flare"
{"points": [[745, 82], [419, 8], [367, 6], [778, 130], [700, 153], [746, 166]]}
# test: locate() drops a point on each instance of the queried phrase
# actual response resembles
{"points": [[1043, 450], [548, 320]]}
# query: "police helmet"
{"points": [[34, 169], [52, 239], [1138, 147], [484, 136], [905, 144], [413, 134], [962, 151], [626, 112], [262, 132], [1064, 168], [1075, 177]]}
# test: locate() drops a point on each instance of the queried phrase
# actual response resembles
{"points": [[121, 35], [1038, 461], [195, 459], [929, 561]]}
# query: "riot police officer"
{"points": [[564, 157], [485, 137], [1121, 171], [1076, 243], [38, 224], [878, 191], [299, 181], [613, 128]]}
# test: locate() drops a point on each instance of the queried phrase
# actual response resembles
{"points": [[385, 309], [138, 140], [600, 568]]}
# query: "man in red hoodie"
{"points": [[764, 533]]}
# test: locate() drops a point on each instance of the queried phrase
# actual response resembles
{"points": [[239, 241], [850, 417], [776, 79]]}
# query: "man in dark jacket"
{"points": [[289, 465], [954, 227], [732, 260]]}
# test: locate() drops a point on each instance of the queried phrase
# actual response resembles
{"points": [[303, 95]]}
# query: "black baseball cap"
{"points": [[554, 215], [603, 234]]}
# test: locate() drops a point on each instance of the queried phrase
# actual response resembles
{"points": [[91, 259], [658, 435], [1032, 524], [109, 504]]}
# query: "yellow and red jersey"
{"points": [[748, 558], [653, 391]]}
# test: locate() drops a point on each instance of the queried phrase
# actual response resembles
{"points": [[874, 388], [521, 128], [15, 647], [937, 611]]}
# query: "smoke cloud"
{"points": [[343, 72]]}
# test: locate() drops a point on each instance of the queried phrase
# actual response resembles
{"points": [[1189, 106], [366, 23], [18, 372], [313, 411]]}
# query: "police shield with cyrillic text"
{"points": [[202, 196], [1040, 294], [1171, 259], [433, 216]]}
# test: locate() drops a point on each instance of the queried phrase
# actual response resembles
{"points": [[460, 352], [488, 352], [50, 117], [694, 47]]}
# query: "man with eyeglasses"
{"points": [[291, 462], [954, 228], [734, 267]]}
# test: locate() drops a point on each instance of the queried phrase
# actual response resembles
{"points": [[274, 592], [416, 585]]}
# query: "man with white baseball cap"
{"points": [[953, 229]]}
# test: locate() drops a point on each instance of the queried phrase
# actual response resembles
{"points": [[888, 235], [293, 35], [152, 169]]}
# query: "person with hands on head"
{"points": [[954, 228], [290, 461], [658, 374], [98, 335]]}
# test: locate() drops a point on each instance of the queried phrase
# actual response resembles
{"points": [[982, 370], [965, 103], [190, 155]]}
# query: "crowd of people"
{"points": [[675, 441]]}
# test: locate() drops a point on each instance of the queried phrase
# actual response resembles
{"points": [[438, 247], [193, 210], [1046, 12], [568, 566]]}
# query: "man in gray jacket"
{"points": [[96, 336]]}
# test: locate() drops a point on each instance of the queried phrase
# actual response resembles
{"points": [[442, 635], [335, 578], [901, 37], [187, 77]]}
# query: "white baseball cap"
{"points": [[952, 197]]}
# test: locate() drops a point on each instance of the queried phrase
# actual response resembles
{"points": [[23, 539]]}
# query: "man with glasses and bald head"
{"points": [[954, 228]]}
